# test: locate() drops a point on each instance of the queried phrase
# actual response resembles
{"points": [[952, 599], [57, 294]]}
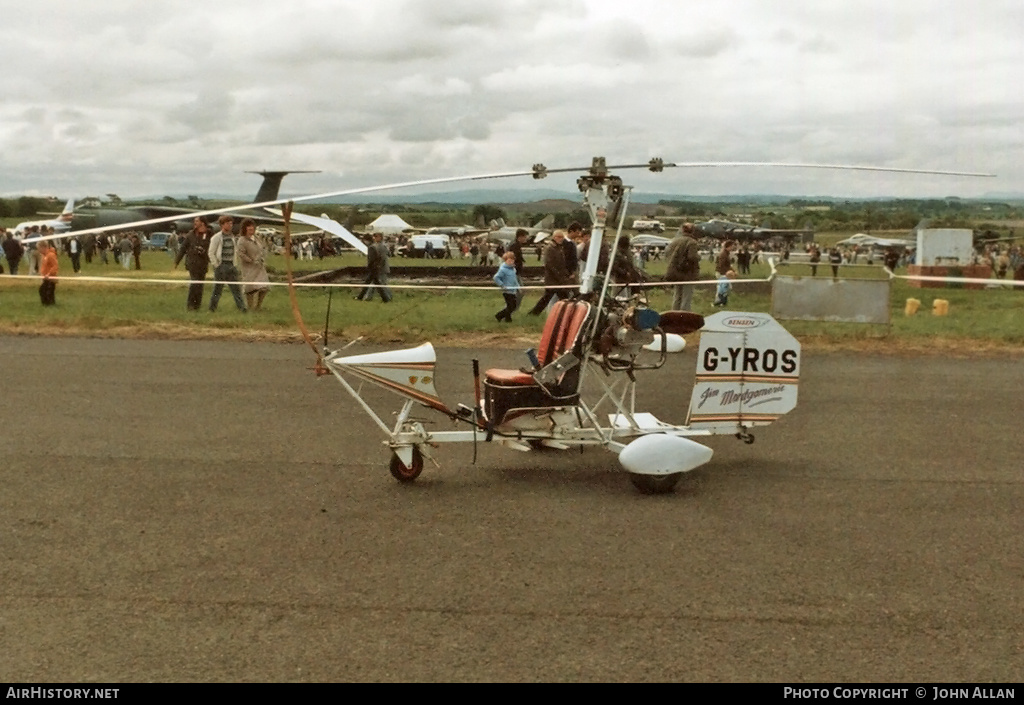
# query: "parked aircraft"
{"points": [[656, 241], [107, 217], [505, 234], [864, 240], [455, 230], [726, 230], [61, 224]]}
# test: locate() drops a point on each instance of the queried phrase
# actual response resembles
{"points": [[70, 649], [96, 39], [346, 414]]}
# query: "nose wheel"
{"points": [[407, 473], [655, 484]]}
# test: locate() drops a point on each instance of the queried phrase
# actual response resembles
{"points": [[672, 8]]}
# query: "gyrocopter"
{"points": [[578, 387]]}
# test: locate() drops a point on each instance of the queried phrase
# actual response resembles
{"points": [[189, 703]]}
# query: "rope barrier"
{"points": [[489, 287]]}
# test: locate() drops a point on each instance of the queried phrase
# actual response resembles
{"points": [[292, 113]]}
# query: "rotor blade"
{"points": [[535, 172], [781, 165], [847, 167], [327, 225], [311, 197]]}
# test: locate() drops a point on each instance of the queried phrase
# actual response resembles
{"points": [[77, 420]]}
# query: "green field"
{"points": [[978, 319]]}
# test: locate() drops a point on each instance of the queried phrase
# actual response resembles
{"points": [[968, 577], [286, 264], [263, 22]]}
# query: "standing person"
{"points": [[48, 268], [89, 247], [13, 251], [724, 287], [35, 259], [743, 260], [683, 261], [136, 249], [124, 248], [377, 270], [254, 269], [222, 257], [724, 262], [573, 239], [75, 253], [835, 258], [556, 272], [814, 259], [172, 244], [516, 248], [102, 243], [507, 279], [892, 261], [195, 248]]}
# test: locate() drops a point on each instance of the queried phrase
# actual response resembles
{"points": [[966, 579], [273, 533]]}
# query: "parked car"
{"points": [[417, 246], [157, 241], [648, 226]]}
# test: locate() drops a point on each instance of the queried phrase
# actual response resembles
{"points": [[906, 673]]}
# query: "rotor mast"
{"points": [[603, 195]]}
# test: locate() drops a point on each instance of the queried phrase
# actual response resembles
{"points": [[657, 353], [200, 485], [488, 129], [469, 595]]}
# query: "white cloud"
{"points": [[138, 95]]}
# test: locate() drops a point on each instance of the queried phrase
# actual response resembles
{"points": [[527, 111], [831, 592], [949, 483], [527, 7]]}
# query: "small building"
{"points": [[946, 252]]}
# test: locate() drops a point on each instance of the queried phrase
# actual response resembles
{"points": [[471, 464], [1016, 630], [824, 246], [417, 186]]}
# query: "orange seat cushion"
{"points": [[509, 377]]}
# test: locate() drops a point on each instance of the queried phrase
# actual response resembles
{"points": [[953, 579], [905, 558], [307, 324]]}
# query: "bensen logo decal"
{"points": [[744, 322]]}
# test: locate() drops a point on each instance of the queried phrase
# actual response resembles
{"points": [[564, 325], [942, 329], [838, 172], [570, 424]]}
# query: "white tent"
{"points": [[388, 224]]}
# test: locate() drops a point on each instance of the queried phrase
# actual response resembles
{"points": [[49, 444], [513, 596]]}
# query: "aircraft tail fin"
{"points": [[271, 185], [68, 214], [545, 223], [748, 369]]}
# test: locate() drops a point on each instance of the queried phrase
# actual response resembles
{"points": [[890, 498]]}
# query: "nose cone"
{"points": [[661, 454]]}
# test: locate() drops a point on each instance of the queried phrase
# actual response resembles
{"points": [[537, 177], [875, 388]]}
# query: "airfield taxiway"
{"points": [[203, 511]]}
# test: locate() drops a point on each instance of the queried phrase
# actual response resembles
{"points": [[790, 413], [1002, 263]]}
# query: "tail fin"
{"points": [[748, 369], [68, 214], [272, 184], [545, 223]]}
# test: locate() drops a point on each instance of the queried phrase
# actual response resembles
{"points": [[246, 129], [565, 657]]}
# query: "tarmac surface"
{"points": [[204, 511]]}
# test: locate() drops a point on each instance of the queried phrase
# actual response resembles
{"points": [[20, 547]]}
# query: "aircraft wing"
{"points": [[328, 226], [869, 240]]}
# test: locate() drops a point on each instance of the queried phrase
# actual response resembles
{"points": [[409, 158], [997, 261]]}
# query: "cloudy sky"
{"points": [[180, 96]]}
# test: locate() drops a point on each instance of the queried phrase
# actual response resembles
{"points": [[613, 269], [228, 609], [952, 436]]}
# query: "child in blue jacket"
{"points": [[507, 279], [724, 287]]}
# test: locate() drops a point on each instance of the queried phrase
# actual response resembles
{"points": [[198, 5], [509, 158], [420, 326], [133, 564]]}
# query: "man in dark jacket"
{"points": [[195, 249], [377, 270], [516, 248], [683, 266], [13, 251], [556, 272], [724, 262]]}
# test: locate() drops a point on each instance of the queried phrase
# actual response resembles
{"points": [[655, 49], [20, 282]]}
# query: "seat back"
{"points": [[562, 329]]}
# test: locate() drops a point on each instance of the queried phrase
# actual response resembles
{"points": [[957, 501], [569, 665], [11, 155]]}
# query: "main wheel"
{"points": [[400, 472], [655, 484]]}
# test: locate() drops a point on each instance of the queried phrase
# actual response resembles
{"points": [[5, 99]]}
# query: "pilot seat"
{"points": [[555, 380]]}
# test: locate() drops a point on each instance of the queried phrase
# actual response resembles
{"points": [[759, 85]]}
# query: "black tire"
{"points": [[400, 472], [655, 484]]}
